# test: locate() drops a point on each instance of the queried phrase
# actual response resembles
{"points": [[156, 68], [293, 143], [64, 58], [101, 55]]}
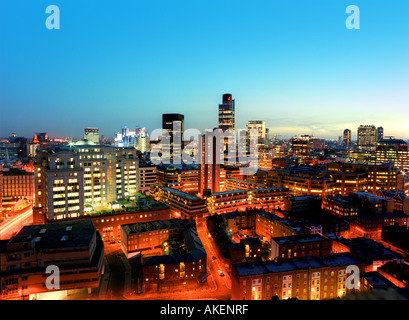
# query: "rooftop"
{"points": [[181, 193], [298, 238], [337, 260], [134, 228], [68, 234]]}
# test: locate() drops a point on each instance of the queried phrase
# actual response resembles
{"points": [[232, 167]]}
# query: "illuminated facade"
{"points": [[308, 278], [269, 225], [383, 177], [173, 125], [83, 177], [345, 207], [236, 184], [309, 245], [209, 166], [187, 177], [227, 113], [393, 151], [265, 158], [144, 236], [367, 136], [347, 138], [59, 185], [138, 138], [265, 199], [18, 184], [260, 126], [299, 184], [182, 204], [347, 182], [92, 134]]}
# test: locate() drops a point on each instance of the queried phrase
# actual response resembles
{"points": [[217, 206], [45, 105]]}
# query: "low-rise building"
{"points": [[308, 278], [183, 269], [269, 225], [262, 199], [182, 204], [75, 248], [145, 236]]}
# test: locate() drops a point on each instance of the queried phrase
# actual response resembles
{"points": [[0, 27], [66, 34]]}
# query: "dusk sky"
{"points": [[293, 64]]}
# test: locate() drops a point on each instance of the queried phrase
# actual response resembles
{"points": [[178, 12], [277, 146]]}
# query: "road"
{"points": [[214, 265], [10, 227]]}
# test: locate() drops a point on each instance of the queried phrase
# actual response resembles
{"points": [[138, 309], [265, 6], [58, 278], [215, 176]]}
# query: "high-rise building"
{"points": [[260, 126], [92, 134], [173, 124], [366, 136], [209, 166], [227, 113], [142, 139], [379, 134], [395, 151], [78, 178], [138, 138], [17, 183], [347, 138]]}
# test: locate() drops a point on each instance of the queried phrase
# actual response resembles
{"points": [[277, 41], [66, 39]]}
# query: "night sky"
{"points": [[293, 64]]}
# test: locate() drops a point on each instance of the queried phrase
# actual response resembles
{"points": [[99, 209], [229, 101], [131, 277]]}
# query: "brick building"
{"points": [[308, 278]]}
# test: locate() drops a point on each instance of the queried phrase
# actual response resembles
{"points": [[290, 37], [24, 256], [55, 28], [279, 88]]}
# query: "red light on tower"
{"points": [[228, 98]]}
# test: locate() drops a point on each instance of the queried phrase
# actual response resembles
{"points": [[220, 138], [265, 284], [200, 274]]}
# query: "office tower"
{"points": [[87, 175], [366, 136], [142, 139], [267, 137], [301, 146], [347, 138], [395, 151], [173, 123], [379, 134], [92, 134], [209, 166], [226, 113], [260, 126], [59, 184]]}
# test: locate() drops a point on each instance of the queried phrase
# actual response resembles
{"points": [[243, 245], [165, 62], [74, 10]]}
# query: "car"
{"points": [[221, 273]]}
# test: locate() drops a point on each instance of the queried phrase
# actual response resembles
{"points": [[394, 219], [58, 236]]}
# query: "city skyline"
{"points": [[294, 65]]}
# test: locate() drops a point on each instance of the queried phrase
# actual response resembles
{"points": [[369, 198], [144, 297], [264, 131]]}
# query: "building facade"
{"points": [[92, 134], [308, 278], [74, 247]]}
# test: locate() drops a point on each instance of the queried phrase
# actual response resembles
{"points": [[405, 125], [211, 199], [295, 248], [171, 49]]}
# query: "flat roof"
{"points": [[77, 233], [336, 260], [181, 193], [135, 228], [302, 238]]}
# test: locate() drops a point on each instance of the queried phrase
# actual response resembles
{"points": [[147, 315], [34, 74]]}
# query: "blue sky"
{"points": [[291, 63]]}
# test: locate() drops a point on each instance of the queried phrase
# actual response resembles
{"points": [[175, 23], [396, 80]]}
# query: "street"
{"points": [[13, 225]]}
